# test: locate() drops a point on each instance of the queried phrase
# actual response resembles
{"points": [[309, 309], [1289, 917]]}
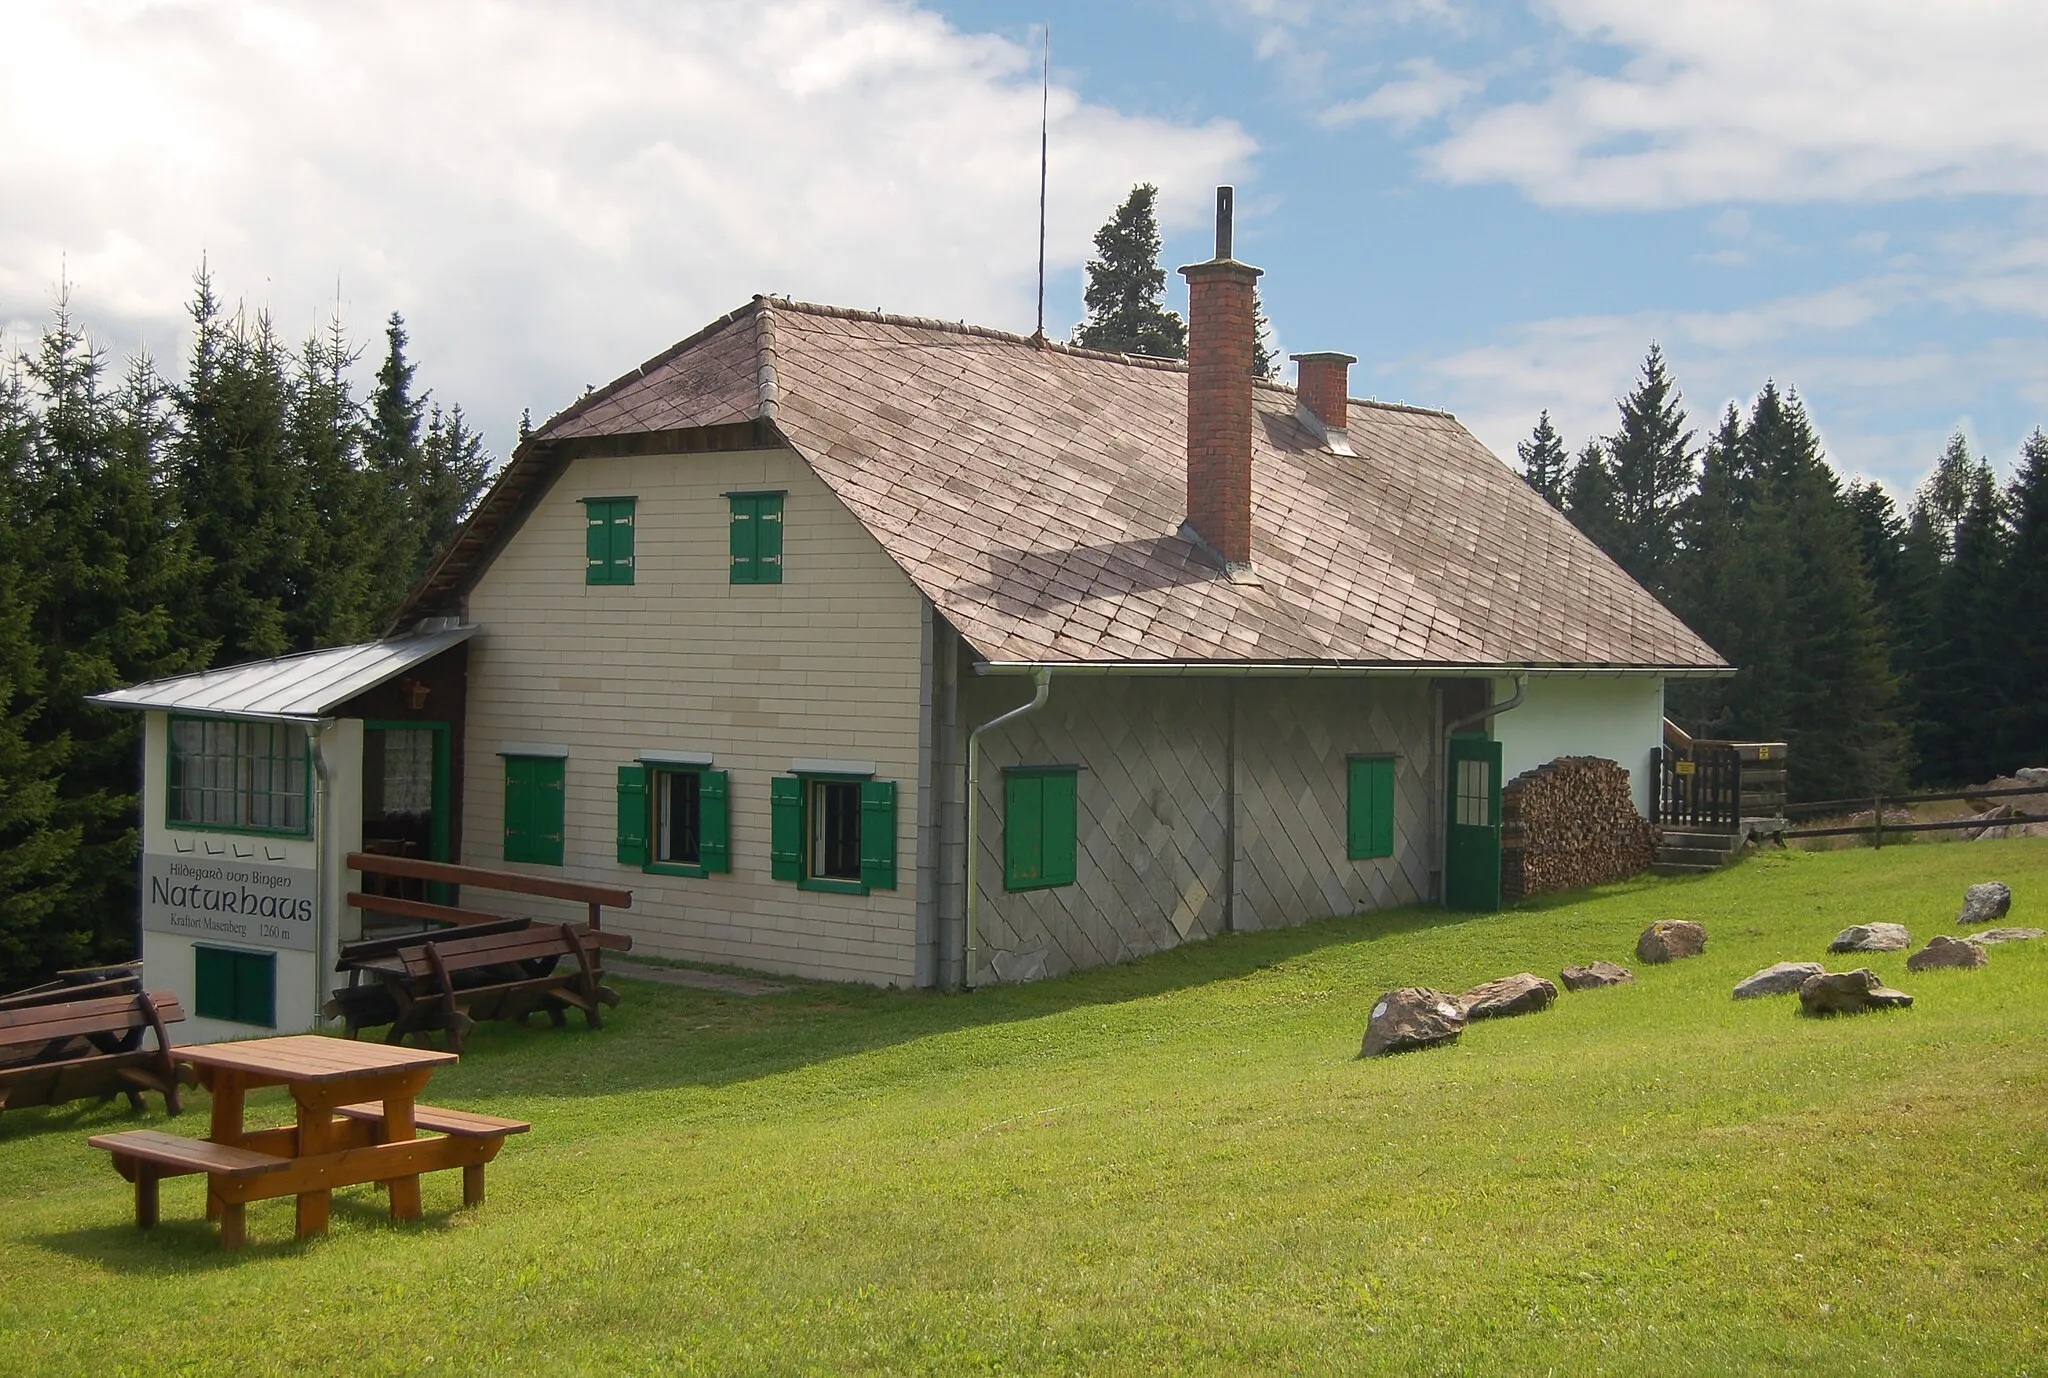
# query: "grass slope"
{"points": [[1175, 1165]]}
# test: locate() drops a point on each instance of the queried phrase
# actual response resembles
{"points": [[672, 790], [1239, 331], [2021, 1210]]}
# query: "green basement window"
{"points": [[1040, 826], [608, 540], [534, 811], [239, 987], [1370, 825], [248, 777], [833, 831], [756, 537], [674, 818]]}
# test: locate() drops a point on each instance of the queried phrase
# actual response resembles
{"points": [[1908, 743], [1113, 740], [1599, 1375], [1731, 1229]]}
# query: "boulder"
{"points": [[1594, 976], [2006, 935], [1986, 903], [1872, 937], [1946, 952], [1781, 979], [2031, 775], [1523, 994], [1412, 1017], [1667, 940], [1849, 992]]}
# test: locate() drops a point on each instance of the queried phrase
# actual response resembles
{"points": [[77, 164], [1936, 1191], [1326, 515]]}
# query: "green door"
{"points": [[1472, 857]]}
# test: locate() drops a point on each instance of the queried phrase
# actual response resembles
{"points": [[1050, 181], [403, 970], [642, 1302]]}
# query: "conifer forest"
{"points": [[151, 526]]}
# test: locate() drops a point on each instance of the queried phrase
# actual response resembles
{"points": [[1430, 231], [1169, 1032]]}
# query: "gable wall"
{"points": [[826, 664], [1617, 717]]}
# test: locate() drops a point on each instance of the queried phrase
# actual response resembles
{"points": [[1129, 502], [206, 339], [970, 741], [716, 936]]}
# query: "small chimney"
{"points": [[1222, 342], [1323, 384]]}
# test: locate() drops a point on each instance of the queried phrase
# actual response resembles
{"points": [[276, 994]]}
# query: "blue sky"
{"points": [[1497, 207]]}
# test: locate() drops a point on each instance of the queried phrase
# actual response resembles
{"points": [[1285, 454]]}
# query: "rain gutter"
{"points": [[1041, 677]]}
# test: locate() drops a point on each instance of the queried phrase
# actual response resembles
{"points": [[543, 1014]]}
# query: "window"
{"points": [[1039, 827], [1475, 791], [756, 538], [833, 832], [240, 987], [608, 540], [674, 819], [237, 776], [533, 809], [1369, 825]]}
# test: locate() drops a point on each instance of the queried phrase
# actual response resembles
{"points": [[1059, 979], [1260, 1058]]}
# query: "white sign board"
{"points": [[229, 900]]}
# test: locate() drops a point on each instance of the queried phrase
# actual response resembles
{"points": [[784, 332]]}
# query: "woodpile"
{"points": [[1570, 823]]}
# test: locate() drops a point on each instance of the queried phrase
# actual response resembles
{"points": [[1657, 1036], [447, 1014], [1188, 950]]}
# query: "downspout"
{"points": [[323, 961], [1041, 680], [1514, 700]]}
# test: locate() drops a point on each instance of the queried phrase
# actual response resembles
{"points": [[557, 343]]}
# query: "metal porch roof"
{"points": [[300, 688]]}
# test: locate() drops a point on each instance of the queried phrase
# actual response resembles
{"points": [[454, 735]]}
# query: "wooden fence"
{"points": [[1876, 828]]}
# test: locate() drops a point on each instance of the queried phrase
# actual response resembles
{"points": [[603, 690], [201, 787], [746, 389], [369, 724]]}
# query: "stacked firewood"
{"points": [[1570, 823]]}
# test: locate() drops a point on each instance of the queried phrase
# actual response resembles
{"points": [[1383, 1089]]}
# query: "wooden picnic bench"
{"points": [[338, 1140], [448, 982], [84, 1037]]}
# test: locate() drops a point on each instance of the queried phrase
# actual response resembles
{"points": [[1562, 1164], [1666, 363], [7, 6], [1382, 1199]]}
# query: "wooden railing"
{"points": [[1877, 827], [473, 877], [1712, 786]]}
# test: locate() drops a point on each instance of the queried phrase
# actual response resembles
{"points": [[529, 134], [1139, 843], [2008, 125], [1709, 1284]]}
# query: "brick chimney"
{"points": [[1221, 343], [1323, 383]]}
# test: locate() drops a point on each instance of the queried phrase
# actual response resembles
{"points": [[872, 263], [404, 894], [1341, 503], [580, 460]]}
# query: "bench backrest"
{"points": [[375, 949], [77, 1018], [470, 951], [73, 986]]}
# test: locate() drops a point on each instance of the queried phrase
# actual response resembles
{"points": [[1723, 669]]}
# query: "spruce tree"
{"points": [[1589, 499], [396, 468], [1651, 460], [1962, 672], [1126, 286], [347, 532], [2023, 725], [1544, 461], [1726, 590], [1265, 363], [454, 467]]}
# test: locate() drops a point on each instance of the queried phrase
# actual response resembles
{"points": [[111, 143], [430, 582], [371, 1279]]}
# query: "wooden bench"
{"points": [[144, 1156], [456, 1124], [366, 1005], [65, 1043], [449, 983]]}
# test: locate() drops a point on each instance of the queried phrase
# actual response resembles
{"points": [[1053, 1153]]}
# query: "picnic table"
{"points": [[358, 1121], [82, 1035]]}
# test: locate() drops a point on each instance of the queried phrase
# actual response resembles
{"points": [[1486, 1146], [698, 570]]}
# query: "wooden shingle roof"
{"points": [[1035, 493]]}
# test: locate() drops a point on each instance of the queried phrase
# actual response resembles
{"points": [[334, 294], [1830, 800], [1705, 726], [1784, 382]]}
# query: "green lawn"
{"points": [[1176, 1165]]}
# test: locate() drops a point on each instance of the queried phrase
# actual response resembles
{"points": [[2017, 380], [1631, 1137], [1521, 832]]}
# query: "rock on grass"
{"points": [[1597, 975], [1782, 978], [1522, 994], [1849, 992], [1872, 937], [1946, 952], [1669, 940], [1985, 903], [1412, 1017]]}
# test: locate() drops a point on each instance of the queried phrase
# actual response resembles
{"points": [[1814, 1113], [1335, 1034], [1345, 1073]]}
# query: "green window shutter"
{"points": [[213, 971], [621, 523], [551, 808], [768, 539], [1061, 829], [714, 821], [1369, 826], [786, 831], [1023, 831], [518, 808], [633, 815], [878, 834], [597, 542], [256, 989], [746, 541]]}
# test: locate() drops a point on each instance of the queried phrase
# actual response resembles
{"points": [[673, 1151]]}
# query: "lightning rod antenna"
{"points": [[1044, 122]]}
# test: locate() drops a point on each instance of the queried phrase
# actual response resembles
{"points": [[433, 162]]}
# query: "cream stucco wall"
{"points": [[827, 664], [1619, 717]]}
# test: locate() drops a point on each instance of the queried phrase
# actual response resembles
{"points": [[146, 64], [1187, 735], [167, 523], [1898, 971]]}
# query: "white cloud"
{"points": [[550, 191], [1425, 93], [1773, 100]]}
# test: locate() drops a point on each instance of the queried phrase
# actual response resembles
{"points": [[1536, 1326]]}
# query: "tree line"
{"points": [[1887, 646], [149, 526]]}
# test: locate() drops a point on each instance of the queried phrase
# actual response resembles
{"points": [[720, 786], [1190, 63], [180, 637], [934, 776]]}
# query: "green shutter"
{"points": [[621, 524], [786, 831], [768, 539], [213, 972], [518, 807], [633, 815], [714, 821], [550, 809], [256, 989], [1061, 829], [878, 834], [1369, 830], [1023, 831], [597, 542], [746, 541]]}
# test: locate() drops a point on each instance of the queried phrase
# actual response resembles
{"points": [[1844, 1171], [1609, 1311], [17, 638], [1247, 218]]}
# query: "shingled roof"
{"points": [[1035, 493]]}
